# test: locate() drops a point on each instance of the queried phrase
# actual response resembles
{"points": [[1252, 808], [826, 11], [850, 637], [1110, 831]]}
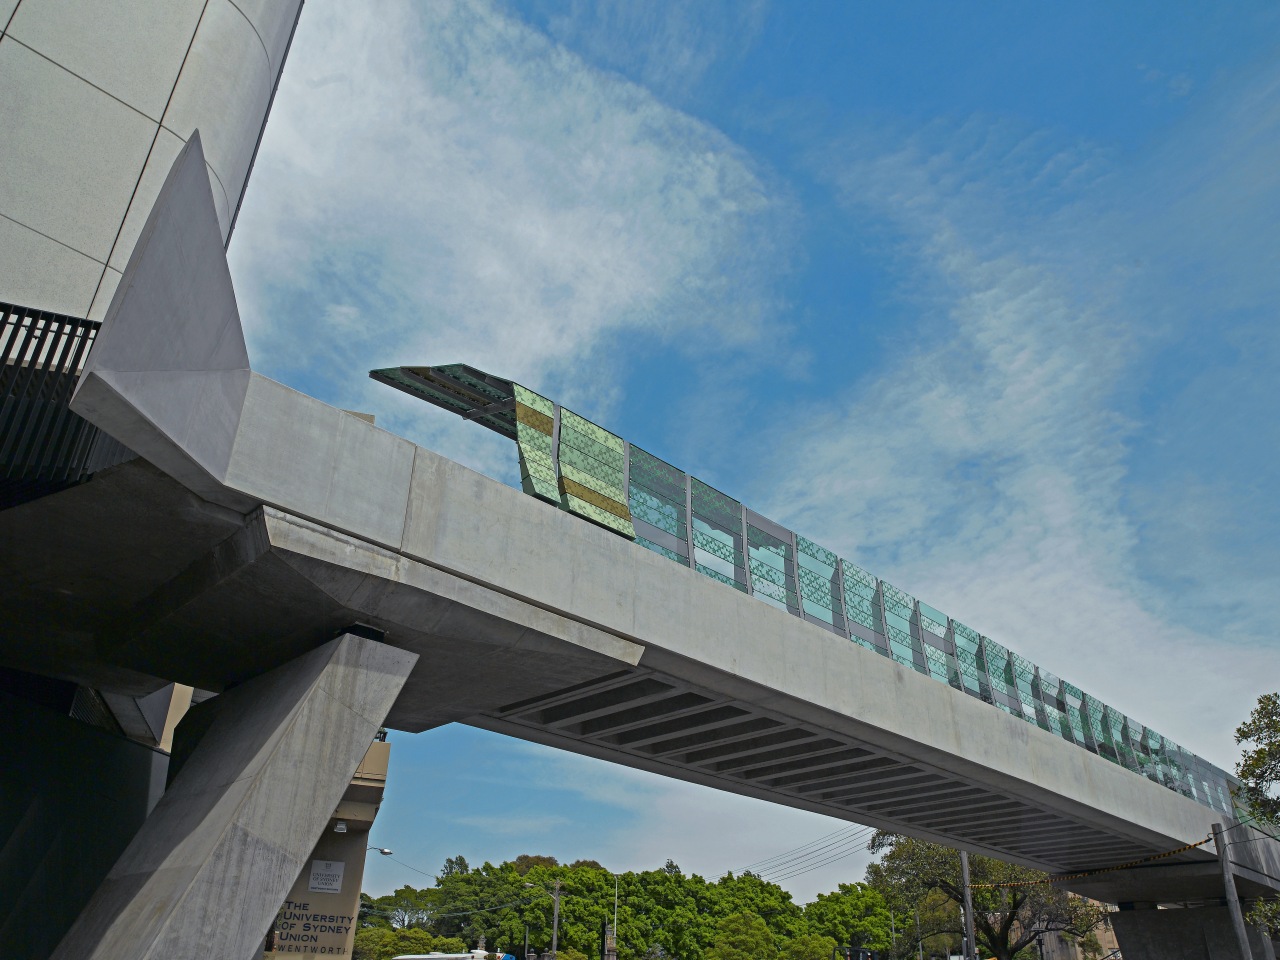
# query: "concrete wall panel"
{"points": [[70, 154], [274, 22], [159, 162], [223, 91], [79, 120], [132, 49], [327, 464], [35, 271]]}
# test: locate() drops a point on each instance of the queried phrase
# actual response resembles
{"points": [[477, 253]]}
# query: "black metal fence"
{"points": [[44, 447]]}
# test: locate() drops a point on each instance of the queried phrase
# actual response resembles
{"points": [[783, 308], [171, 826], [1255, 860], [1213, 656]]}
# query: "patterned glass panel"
{"points": [[656, 498], [592, 473], [717, 535], [773, 566], [819, 571]]}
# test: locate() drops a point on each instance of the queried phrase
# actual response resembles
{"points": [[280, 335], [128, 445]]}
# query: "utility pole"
{"points": [[1233, 898], [555, 923], [971, 948], [919, 939]]}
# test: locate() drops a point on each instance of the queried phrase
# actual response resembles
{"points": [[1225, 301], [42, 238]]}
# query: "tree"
{"points": [[809, 946], [407, 907], [1007, 919], [455, 865], [381, 943], [854, 915], [1259, 767], [742, 936], [1259, 771], [527, 861]]}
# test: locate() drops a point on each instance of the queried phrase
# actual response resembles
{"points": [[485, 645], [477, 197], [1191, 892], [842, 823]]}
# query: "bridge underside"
{"points": [[653, 721]]}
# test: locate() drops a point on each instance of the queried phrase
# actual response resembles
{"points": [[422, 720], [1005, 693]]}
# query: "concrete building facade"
{"points": [[96, 100]]}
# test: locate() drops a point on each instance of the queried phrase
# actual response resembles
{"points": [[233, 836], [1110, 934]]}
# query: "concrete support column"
{"points": [[1197, 933], [207, 872]]}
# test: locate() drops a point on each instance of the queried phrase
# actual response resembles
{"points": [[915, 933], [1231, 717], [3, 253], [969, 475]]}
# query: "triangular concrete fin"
{"points": [[175, 307], [168, 371], [190, 441]]}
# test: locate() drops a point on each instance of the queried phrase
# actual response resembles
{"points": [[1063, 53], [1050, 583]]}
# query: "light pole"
{"points": [[971, 948], [382, 850], [555, 915]]}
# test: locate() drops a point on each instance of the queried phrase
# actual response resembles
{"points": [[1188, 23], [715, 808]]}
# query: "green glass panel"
{"points": [[897, 602], [535, 400], [710, 503], [669, 554], [572, 421], [933, 620], [663, 514]]}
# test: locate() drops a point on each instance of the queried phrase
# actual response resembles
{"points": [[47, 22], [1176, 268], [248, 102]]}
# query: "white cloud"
{"points": [[985, 467], [442, 183], [666, 45]]}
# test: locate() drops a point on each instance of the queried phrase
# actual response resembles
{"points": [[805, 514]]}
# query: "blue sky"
{"points": [[981, 296]]}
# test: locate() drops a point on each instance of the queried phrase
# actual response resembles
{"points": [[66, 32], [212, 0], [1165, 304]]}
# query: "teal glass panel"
{"points": [[669, 554], [717, 534], [773, 577], [819, 580], [933, 620], [656, 495]]}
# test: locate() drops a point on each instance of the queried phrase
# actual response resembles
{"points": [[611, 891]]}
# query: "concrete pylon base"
{"points": [[1196, 933], [207, 872]]}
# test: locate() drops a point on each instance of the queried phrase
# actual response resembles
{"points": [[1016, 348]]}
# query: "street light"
{"points": [[382, 850], [555, 915]]}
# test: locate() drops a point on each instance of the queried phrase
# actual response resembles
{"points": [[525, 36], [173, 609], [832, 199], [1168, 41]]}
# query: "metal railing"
{"points": [[44, 446]]}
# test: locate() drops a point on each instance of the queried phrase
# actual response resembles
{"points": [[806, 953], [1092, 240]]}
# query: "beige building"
{"points": [[318, 918]]}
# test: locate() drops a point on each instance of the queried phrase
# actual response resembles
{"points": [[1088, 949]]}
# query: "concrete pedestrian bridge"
{"points": [[258, 524]]}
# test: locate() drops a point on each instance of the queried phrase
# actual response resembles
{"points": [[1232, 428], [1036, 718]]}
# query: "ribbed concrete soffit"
{"points": [[697, 734]]}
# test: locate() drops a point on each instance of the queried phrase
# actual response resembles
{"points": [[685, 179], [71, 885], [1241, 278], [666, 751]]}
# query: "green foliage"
{"points": [[1266, 913], [810, 946], [527, 861], [854, 915], [570, 954], [1006, 919], [383, 943], [1259, 766], [662, 914], [742, 936], [1259, 771]]}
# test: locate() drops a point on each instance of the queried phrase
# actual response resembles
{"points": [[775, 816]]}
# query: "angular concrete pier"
{"points": [[211, 865]]}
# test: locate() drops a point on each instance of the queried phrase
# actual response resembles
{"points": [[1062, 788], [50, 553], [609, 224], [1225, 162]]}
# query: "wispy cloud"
{"points": [[665, 45], [988, 466], [441, 182]]}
